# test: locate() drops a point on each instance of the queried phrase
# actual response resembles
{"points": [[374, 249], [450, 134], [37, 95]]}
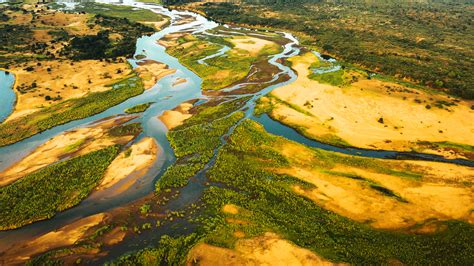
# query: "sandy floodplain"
{"points": [[69, 144], [268, 249], [151, 71], [176, 117], [366, 114], [64, 236], [137, 159], [251, 45], [442, 192]]}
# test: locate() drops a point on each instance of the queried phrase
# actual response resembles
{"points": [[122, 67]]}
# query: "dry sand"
{"points": [[137, 159], [442, 193], [179, 81], [64, 236], [176, 117], [69, 144], [251, 45], [151, 71], [352, 113], [268, 249]]}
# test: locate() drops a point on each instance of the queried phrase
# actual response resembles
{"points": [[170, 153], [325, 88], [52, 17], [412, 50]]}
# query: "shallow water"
{"points": [[166, 97], [7, 95]]}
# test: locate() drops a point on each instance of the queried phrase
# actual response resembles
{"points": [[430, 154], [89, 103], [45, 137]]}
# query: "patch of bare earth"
{"points": [[176, 117], [268, 249], [58, 80], [135, 160], [64, 236], [151, 71], [370, 113], [441, 193], [69, 144]]}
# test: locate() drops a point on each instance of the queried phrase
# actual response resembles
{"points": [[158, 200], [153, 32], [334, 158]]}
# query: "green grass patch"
{"points": [[75, 145], [52, 189], [69, 110], [138, 108], [194, 142], [131, 13]]}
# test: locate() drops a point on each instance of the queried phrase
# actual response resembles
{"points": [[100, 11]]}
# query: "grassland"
{"points": [[426, 44], [130, 13], [195, 140], [42, 194], [265, 200], [69, 110], [219, 72], [138, 108], [271, 204]]}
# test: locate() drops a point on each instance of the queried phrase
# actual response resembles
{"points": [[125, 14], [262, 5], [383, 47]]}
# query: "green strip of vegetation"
{"points": [[275, 207], [53, 189], [132, 129], [73, 109], [194, 142], [169, 251], [138, 108]]}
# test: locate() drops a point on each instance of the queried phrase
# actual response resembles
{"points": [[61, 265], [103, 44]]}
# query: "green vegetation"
{"points": [[170, 251], [138, 108], [74, 146], [426, 43], [126, 130], [273, 206], [52, 189], [101, 45], [119, 11], [116, 37], [69, 110], [334, 78], [194, 142], [218, 72]]}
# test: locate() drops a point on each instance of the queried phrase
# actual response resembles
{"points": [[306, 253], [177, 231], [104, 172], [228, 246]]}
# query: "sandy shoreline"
{"points": [[176, 117], [369, 113]]}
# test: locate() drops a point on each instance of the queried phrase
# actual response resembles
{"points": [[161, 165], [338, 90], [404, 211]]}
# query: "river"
{"points": [[165, 97]]}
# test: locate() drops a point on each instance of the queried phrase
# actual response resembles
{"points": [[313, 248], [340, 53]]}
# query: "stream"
{"points": [[165, 97]]}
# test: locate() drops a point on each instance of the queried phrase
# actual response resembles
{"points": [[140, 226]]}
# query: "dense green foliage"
{"points": [[195, 141], [429, 44], [138, 108], [52, 189], [169, 251], [73, 109], [274, 206], [132, 129], [101, 46], [119, 11]]}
